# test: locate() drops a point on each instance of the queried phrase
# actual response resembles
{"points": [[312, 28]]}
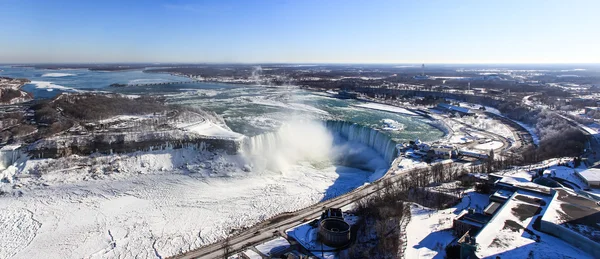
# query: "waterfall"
{"points": [[372, 138], [315, 141]]}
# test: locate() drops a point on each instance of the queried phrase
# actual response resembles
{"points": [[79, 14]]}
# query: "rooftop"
{"points": [[591, 175], [492, 208], [576, 213], [503, 194], [525, 184], [510, 227], [475, 219]]}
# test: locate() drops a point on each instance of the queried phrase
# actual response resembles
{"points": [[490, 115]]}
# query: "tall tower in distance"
{"points": [[423, 70]]}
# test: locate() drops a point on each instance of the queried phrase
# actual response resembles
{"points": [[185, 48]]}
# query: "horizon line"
{"points": [[300, 63]]}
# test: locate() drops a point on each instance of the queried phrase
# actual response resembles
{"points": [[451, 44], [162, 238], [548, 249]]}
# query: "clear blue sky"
{"points": [[348, 31]]}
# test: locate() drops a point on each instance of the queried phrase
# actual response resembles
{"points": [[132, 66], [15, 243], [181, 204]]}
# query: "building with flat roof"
{"points": [[575, 220], [469, 221], [512, 224], [591, 177]]}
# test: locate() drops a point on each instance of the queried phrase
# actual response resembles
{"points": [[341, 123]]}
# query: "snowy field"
{"points": [[154, 203], [488, 124]]}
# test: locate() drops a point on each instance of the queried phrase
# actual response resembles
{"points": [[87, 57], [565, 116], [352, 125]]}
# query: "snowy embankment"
{"points": [[208, 128], [531, 130], [385, 107]]}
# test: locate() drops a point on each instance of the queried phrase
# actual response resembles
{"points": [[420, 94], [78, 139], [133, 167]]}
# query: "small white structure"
{"points": [[591, 177]]}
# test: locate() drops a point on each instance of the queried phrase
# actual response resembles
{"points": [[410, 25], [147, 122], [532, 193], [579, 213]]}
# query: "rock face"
{"points": [[128, 142]]}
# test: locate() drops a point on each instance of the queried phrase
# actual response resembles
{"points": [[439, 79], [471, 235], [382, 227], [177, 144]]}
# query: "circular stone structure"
{"points": [[334, 232]]}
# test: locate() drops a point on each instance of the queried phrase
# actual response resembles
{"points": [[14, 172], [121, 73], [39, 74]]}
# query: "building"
{"points": [[513, 211], [469, 221], [468, 246], [452, 108], [511, 223], [333, 230], [575, 220], [445, 151], [590, 176]]}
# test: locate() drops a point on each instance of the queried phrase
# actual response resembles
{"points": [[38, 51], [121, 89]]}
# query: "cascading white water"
{"points": [[328, 142], [9, 154], [372, 138], [293, 142]]}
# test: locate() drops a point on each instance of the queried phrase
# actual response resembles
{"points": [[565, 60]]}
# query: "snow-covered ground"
{"points": [[154, 203], [488, 124], [429, 230], [385, 107], [489, 145], [208, 128]]}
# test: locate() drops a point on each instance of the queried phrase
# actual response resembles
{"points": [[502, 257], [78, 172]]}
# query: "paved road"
{"points": [[274, 226]]}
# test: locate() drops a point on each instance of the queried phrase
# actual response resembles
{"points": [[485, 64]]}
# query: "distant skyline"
{"points": [[307, 31]]}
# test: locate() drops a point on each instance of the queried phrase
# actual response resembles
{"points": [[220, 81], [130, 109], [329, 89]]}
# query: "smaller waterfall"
{"points": [[9, 155]]}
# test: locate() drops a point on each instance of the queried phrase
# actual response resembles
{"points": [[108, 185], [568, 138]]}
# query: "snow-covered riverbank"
{"points": [[153, 203]]}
